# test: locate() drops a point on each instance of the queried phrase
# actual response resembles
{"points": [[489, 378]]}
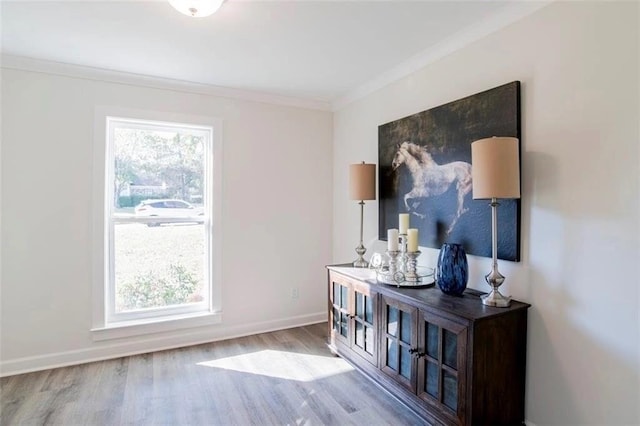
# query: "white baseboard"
{"points": [[110, 350]]}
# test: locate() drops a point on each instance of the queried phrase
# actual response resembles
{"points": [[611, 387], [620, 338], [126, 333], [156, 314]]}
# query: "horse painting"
{"points": [[424, 162], [431, 179]]}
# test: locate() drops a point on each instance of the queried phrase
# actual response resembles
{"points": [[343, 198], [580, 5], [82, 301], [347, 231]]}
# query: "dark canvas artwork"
{"points": [[425, 170]]}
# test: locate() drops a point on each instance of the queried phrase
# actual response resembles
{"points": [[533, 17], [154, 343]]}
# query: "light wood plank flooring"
{"points": [[287, 377]]}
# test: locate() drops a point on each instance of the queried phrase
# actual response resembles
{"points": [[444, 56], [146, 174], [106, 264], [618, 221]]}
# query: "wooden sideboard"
{"points": [[450, 359]]}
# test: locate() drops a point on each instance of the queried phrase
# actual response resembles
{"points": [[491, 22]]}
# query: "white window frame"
{"points": [[106, 322]]}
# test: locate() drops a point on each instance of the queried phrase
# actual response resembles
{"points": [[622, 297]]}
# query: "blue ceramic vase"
{"points": [[452, 271]]}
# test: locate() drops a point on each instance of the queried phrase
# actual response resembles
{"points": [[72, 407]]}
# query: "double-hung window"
{"points": [[158, 222]]}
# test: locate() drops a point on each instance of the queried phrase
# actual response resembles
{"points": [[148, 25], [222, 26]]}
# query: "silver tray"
{"points": [[423, 278]]}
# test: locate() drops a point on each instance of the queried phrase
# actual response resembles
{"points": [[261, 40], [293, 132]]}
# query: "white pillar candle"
{"points": [[412, 240], [403, 220], [392, 239]]}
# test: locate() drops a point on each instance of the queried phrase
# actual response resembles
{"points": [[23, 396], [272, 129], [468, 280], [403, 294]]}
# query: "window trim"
{"points": [[178, 318]]}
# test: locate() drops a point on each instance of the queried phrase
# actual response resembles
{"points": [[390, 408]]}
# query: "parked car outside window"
{"points": [[170, 209]]}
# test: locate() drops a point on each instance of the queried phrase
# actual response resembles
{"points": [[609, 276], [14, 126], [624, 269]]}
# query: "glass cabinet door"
{"points": [[365, 323], [441, 369], [399, 342], [340, 312]]}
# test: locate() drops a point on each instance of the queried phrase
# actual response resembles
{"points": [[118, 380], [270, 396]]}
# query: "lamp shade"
{"points": [[362, 181], [495, 168], [196, 8]]}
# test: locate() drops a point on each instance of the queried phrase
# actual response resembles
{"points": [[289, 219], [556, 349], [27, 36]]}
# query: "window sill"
{"points": [[156, 325]]}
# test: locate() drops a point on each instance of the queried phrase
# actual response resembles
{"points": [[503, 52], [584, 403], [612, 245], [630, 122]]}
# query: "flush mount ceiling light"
{"points": [[196, 8]]}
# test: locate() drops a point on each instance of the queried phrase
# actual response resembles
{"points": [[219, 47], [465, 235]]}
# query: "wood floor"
{"points": [[286, 377]]}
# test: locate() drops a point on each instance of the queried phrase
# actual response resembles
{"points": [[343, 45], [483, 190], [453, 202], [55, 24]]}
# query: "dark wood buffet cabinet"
{"points": [[452, 360]]}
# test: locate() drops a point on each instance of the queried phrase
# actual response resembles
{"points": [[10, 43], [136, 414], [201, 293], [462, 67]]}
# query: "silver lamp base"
{"points": [[495, 278], [495, 298], [361, 249], [360, 262]]}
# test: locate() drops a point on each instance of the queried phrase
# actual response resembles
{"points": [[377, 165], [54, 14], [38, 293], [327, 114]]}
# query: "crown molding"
{"points": [[98, 74], [509, 14]]}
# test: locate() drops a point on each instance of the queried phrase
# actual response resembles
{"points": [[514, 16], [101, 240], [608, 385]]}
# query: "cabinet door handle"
{"points": [[421, 354], [413, 351]]}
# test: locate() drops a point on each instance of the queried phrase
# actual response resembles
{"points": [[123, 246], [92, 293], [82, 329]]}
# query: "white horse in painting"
{"points": [[431, 178]]}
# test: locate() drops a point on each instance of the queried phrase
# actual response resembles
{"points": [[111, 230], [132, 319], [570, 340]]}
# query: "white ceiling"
{"points": [[314, 50]]}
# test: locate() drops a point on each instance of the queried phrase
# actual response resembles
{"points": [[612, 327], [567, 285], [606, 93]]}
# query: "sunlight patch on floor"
{"points": [[282, 365]]}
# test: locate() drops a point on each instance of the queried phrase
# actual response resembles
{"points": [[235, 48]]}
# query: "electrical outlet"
{"points": [[295, 293]]}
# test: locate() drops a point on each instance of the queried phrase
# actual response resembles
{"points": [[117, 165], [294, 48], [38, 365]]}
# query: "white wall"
{"points": [[277, 166], [578, 64]]}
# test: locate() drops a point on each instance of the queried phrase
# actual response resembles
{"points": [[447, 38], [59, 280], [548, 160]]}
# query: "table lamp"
{"points": [[362, 178], [495, 170]]}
